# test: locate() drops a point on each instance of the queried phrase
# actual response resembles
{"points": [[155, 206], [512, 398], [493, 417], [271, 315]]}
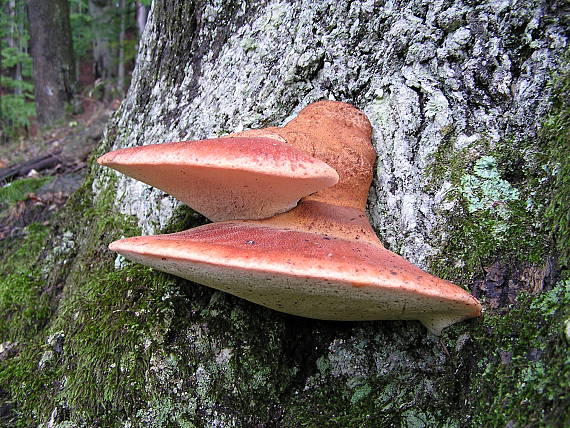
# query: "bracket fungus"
{"points": [[223, 178], [317, 258]]}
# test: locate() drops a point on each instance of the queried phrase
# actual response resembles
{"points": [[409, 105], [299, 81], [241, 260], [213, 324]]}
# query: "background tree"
{"points": [[52, 54], [104, 25], [114, 26], [459, 97], [104, 48], [142, 14]]}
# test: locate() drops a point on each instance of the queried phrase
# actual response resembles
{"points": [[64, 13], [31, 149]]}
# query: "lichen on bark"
{"points": [[445, 84]]}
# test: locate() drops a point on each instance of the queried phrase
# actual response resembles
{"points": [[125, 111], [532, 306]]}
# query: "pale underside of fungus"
{"points": [[309, 251]]}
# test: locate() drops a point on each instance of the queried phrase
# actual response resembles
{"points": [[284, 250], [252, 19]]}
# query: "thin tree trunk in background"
{"points": [[14, 43], [76, 7], [142, 13], [122, 29], [52, 56], [21, 45], [104, 33]]}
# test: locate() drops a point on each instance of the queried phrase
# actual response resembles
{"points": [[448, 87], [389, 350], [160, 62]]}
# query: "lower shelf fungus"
{"points": [[321, 259], [223, 178]]}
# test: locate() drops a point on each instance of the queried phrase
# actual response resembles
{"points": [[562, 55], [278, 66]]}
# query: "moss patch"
{"points": [[556, 156], [523, 375], [24, 306], [184, 218], [491, 217], [384, 374], [18, 190], [43, 278], [105, 322]]}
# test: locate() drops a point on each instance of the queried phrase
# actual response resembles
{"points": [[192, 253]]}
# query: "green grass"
{"points": [[19, 190]]}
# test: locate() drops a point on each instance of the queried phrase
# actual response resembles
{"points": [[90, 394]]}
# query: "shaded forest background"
{"points": [[102, 36]]}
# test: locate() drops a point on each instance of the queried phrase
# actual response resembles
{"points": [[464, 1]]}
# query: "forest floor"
{"points": [[39, 172]]}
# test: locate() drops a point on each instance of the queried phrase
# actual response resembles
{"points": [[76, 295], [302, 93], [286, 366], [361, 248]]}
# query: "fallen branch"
{"points": [[22, 169]]}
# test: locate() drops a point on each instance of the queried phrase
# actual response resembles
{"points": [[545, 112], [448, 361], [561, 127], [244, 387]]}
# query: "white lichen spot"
{"points": [[47, 356], [120, 262], [224, 356]]}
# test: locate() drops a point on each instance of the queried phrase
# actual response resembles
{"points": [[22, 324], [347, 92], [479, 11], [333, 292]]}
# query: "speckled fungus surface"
{"points": [[223, 178], [321, 259]]}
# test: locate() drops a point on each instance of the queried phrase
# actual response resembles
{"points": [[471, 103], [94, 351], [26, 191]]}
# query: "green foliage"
{"points": [[81, 30], [523, 378], [16, 89], [15, 113], [19, 190], [12, 56]]}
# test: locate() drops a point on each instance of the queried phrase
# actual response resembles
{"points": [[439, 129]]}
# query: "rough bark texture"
{"points": [[52, 56], [456, 92], [420, 71]]}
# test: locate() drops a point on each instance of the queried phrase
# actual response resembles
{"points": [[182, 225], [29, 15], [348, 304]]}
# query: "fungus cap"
{"points": [[338, 134], [227, 178]]}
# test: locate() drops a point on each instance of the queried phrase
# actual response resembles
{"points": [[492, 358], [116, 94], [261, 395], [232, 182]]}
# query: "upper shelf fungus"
{"points": [[320, 259], [224, 178]]}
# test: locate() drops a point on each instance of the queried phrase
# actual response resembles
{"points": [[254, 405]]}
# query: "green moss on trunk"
{"points": [[522, 377]]}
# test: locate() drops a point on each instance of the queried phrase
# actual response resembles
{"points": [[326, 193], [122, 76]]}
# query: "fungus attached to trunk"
{"points": [[334, 271], [320, 259], [227, 178]]}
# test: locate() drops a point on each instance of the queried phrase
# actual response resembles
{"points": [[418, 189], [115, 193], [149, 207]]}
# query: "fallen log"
{"points": [[23, 168]]}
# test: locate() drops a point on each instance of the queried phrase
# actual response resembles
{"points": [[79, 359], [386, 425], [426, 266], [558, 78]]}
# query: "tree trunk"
{"points": [[105, 38], [122, 30], [52, 55], [456, 93], [14, 41], [141, 16]]}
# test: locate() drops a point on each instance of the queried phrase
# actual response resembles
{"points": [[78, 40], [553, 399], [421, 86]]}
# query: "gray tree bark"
{"points": [[52, 55], [417, 70]]}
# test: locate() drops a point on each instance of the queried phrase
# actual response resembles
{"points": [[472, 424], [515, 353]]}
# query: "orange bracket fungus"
{"points": [[227, 178], [295, 237]]}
